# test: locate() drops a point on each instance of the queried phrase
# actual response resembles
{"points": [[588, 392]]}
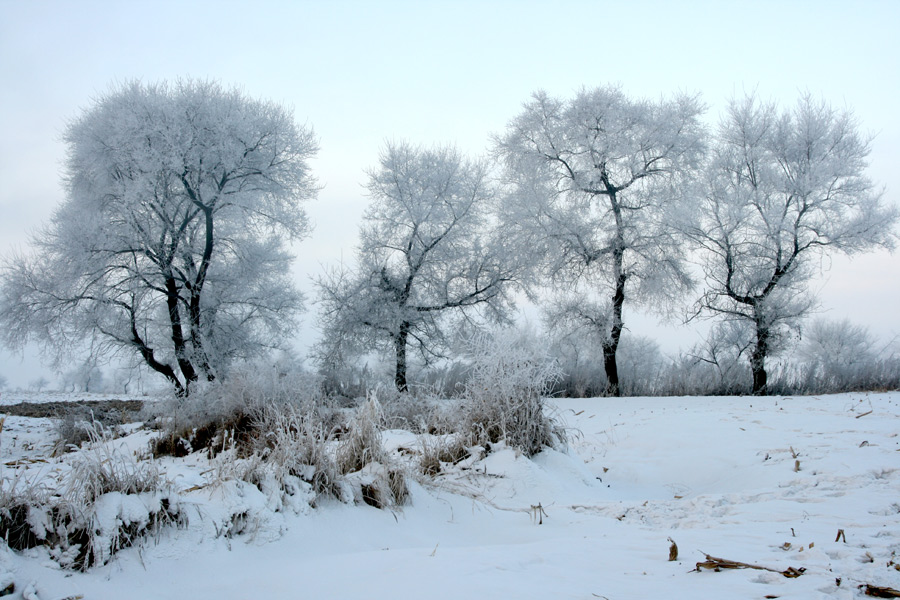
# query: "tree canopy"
{"points": [[784, 188], [592, 182], [426, 252], [171, 243]]}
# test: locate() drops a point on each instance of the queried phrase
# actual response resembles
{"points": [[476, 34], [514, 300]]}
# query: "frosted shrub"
{"points": [[362, 444], [505, 394], [294, 444], [21, 511], [110, 500], [361, 457], [422, 412], [102, 468], [231, 407], [839, 356]]}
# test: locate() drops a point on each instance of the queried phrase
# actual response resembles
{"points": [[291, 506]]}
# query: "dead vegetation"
{"points": [[718, 564], [879, 592]]}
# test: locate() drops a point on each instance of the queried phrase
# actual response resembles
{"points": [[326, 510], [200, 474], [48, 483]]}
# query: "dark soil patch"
{"points": [[103, 410]]}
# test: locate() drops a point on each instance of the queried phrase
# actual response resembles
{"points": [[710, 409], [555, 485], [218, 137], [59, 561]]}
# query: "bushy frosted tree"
{"points": [[593, 180], [784, 189], [427, 253], [840, 355], [171, 243]]}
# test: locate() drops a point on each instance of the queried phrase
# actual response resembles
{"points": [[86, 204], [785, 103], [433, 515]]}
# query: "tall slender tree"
{"points": [[427, 252], [785, 188], [592, 182]]}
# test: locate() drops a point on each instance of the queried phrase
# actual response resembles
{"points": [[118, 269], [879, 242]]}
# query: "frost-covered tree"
{"points": [[39, 383], [426, 254], [84, 377], [784, 189], [839, 355], [593, 180], [171, 244]]}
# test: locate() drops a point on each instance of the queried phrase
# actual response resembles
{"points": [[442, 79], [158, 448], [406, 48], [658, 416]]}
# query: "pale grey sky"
{"points": [[429, 71]]}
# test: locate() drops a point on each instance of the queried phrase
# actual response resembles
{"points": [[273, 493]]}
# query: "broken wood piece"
{"points": [[864, 414], [841, 536], [717, 564], [879, 592], [673, 550]]}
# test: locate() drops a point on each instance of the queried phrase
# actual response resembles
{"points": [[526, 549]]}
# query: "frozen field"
{"points": [[767, 481]]}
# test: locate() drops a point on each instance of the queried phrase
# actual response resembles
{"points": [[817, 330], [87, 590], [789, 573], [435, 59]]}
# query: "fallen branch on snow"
{"points": [[879, 592], [717, 564]]}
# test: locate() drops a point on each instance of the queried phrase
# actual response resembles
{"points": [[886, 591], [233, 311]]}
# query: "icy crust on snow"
{"points": [[766, 481]]}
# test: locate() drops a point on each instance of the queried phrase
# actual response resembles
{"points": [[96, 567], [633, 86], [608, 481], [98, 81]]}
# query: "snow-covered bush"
{"points": [[504, 398], [362, 445], [21, 500], [295, 444], [838, 356], [107, 500], [361, 457], [420, 412], [102, 468], [229, 408], [448, 449]]}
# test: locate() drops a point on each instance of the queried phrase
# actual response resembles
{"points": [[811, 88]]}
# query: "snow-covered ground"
{"points": [[766, 481]]}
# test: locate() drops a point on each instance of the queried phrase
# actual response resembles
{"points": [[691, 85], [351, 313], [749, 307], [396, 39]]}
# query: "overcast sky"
{"points": [[426, 71]]}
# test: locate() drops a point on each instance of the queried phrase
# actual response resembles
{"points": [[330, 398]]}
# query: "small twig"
{"points": [[864, 414], [840, 535], [538, 513]]}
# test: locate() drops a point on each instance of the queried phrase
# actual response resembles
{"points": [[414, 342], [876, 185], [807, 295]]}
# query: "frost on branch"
{"points": [[171, 244], [428, 252], [783, 189], [594, 182]]}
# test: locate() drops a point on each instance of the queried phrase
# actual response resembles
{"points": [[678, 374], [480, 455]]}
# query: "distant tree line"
{"points": [[170, 247]]}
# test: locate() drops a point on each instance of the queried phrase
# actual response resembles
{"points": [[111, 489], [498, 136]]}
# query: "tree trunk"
{"points": [[177, 332], [611, 346], [196, 293], [147, 354], [400, 341], [758, 360]]}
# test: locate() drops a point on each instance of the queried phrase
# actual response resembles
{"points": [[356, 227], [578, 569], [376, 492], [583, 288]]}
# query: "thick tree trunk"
{"points": [[758, 360], [400, 341], [194, 310], [611, 369], [611, 346], [177, 332], [147, 354]]}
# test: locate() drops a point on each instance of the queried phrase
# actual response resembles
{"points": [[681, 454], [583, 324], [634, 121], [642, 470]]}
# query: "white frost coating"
{"points": [[39, 522], [115, 508]]}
